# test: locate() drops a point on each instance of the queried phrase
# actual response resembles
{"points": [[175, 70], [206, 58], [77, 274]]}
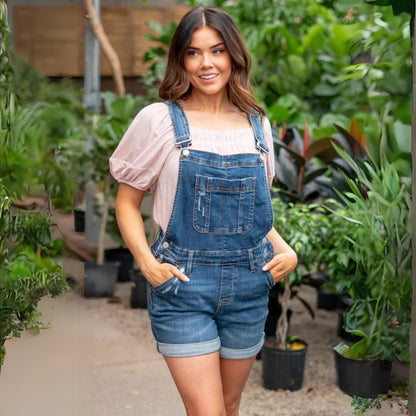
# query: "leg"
{"points": [[234, 374], [198, 381]]}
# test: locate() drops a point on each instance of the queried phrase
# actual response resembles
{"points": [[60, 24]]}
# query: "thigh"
{"points": [[234, 374], [198, 380]]}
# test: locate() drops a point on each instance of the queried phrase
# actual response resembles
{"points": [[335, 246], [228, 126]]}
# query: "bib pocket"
{"points": [[223, 206]]}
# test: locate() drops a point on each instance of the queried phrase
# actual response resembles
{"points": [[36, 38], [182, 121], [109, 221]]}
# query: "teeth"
{"points": [[208, 76]]}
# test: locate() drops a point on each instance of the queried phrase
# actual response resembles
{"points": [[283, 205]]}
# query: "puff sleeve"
{"points": [[141, 153]]}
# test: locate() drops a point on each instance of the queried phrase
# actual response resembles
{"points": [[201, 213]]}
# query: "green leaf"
{"points": [[278, 113], [399, 6]]}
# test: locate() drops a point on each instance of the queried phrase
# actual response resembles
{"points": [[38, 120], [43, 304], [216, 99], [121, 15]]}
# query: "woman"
{"points": [[206, 153]]}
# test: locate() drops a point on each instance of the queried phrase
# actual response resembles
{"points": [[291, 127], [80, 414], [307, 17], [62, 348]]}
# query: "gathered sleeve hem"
{"points": [[137, 177]]}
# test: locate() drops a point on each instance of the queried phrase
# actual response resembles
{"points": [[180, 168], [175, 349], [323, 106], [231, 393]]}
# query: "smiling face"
{"points": [[207, 62]]}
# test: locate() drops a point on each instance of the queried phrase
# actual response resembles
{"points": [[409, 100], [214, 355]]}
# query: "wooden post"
{"points": [[92, 76], [91, 101]]}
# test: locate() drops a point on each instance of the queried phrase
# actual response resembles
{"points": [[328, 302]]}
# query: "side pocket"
{"points": [[170, 285], [268, 275], [268, 254]]}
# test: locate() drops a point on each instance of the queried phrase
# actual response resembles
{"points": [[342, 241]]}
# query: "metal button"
{"points": [[165, 244], [186, 152]]}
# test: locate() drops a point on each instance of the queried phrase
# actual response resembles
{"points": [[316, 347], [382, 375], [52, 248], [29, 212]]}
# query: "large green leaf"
{"points": [[399, 6]]}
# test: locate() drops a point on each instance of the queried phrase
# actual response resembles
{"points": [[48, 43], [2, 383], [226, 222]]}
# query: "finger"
{"points": [[272, 263], [179, 274]]}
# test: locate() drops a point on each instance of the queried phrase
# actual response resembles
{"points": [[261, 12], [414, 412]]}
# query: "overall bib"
{"points": [[216, 235]]}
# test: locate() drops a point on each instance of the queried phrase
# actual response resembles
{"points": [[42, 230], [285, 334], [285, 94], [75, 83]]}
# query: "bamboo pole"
{"points": [[108, 49]]}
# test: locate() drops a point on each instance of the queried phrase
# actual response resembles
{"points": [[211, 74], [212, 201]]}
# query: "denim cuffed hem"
{"points": [[240, 354], [189, 350]]}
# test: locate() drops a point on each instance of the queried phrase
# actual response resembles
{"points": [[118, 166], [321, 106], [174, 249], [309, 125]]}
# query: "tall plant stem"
{"points": [[282, 324], [108, 49], [103, 224]]}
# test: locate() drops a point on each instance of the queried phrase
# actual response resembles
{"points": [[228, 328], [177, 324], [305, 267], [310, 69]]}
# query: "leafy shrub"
{"points": [[27, 269]]}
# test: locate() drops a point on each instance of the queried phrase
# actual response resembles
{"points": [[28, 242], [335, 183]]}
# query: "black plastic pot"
{"points": [[344, 302], [138, 298], [79, 220], [283, 369], [125, 258], [399, 372], [327, 300], [315, 279], [100, 279], [363, 378]]}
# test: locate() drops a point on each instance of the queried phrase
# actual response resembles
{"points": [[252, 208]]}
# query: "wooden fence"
{"points": [[51, 38]]}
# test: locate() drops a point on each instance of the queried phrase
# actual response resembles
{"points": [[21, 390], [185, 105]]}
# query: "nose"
{"points": [[206, 60]]}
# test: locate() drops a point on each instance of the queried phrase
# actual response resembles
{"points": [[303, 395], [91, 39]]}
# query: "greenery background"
{"points": [[329, 71]]}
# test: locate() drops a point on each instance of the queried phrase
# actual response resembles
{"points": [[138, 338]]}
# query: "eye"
{"points": [[191, 52], [218, 51]]}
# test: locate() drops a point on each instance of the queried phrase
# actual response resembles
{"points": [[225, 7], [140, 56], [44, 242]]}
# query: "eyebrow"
{"points": [[211, 47]]}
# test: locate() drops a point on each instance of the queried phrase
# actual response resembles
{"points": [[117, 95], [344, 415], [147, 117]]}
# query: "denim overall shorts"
{"points": [[216, 235]]}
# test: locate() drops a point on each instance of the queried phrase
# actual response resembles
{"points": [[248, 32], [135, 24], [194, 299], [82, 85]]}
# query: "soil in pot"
{"points": [[283, 369], [100, 279], [363, 378], [125, 258]]}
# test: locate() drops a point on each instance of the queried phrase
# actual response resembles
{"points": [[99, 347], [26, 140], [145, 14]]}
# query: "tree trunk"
{"points": [[103, 223], [108, 50], [283, 324]]}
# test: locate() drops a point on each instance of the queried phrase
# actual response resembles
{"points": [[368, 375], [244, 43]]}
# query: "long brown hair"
{"points": [[176, 85]]}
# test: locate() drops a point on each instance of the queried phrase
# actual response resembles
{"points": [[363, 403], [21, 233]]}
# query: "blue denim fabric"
{"points": [[216, 235]]}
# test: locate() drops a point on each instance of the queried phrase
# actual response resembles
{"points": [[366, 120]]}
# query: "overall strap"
{"points": [[258, 133], [180, 124]]}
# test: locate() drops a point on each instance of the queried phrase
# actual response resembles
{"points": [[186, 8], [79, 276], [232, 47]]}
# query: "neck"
{"points": [[212, 104]]}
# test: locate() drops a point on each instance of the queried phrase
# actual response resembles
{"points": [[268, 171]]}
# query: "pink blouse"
{"points": [[147, 158]]}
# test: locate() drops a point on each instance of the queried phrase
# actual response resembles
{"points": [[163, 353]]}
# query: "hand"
{"points": [[157, 273], [281, 265]]}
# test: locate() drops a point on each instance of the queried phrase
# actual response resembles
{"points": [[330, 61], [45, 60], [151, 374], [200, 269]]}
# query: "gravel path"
{"points": [[319, 395]]}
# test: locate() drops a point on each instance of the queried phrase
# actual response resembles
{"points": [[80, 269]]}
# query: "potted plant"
{"points": [[305, 173], [284, 357], [376, 273], [106, 131], [28, 270]]}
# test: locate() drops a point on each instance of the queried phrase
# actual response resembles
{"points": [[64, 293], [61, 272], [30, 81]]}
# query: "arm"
{"points": [[285, 259], [130, 222]]}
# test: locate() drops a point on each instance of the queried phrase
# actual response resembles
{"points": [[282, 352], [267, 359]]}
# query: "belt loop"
{"points": [[251, 261], [189, 262]]}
